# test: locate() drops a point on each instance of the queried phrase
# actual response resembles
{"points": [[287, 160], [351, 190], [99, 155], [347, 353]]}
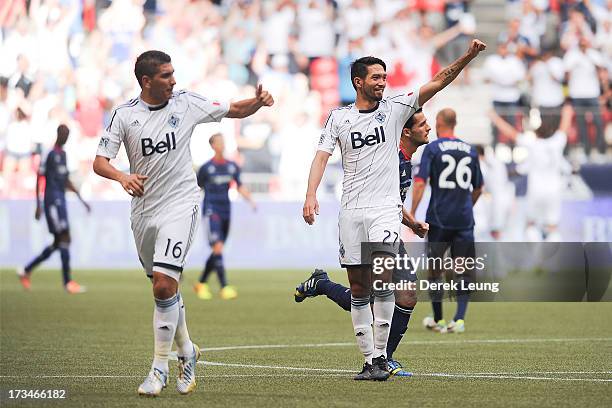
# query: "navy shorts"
{"points": [[460, 242], [57, 216], [216, 228]]}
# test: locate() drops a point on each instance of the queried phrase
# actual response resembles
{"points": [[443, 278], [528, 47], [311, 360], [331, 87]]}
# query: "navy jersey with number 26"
{"points": [[454, 171]]}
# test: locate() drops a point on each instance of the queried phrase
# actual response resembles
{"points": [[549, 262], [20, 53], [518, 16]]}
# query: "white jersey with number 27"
{"points": [[369, 144]]}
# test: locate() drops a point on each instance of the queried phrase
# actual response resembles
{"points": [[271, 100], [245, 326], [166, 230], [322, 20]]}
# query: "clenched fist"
{"points": [[476, 47]]}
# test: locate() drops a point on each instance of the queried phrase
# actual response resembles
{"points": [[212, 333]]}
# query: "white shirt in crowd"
{"points": [[545, 164], [582, 70], [505, 74], [546, 79], [317, 36]]}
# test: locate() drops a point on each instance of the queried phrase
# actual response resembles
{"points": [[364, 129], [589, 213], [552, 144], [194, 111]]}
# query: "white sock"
{"points": [[181, 337], [384, 305], [362, 326], [165, 319]]}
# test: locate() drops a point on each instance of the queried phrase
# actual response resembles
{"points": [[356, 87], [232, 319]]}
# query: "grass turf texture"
{"points": [[107, 332]]}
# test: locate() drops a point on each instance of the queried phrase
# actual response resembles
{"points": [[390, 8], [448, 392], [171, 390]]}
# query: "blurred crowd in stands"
{"points": [[71, 61]]}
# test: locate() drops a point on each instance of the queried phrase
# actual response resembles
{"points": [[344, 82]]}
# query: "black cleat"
{"points": [[379, 369], [308, 288], [365, 374]]}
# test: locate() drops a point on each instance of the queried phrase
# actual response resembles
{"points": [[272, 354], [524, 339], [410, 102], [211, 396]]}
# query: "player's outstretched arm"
{"points": [[503, 126], [448, 74], [246, 194], [133, 184], [247, 107], [567, 113], [317, 168]]}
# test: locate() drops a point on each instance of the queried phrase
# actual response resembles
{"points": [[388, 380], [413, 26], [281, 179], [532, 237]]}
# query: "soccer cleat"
{"points": [[73, 288], [365, 374], [202, 291], [186, 380], [153, 385], [456, 326], [228, 292], [396, 369], [430, 324], [308, 288], [379, 369], [24, 278]]}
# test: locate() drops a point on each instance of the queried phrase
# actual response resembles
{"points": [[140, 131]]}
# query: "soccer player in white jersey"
{"points": [[156, 130], [545, 167], [368, 134]]}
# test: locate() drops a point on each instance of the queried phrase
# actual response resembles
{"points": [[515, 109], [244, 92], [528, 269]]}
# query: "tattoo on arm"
{"points": [[448, 74]]}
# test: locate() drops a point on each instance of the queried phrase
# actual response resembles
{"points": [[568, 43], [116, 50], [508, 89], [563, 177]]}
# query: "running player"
{"points": [[368, 134], [545, 168], [156, 128], [453, 170], [55, 172], [215, 177], [414, 134]]}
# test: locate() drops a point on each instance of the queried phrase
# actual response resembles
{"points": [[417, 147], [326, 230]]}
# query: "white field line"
{"points": [[414, 342]]}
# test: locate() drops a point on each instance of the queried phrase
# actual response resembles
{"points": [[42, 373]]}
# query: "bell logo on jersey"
{"points": [[148, 148], [358, 141]]}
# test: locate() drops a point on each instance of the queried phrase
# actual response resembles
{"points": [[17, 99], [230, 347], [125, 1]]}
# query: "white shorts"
{"points": [[544, 208], [378, 225], [163, 241]]}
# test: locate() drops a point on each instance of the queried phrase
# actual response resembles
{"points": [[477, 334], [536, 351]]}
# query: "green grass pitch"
{"points": [[98, 347]]}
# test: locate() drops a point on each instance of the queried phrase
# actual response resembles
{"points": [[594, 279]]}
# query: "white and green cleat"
{"points": [[186, 380], [430, 324], [456, 326], [153, 385]]}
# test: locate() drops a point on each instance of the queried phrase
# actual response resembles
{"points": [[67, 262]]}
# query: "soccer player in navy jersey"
{"points": [[54, 170], [414, 134], [453, 170], [215, 177]]}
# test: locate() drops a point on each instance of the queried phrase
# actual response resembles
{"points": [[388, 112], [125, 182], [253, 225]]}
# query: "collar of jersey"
{"points": [[369, 110], [405, 154]]}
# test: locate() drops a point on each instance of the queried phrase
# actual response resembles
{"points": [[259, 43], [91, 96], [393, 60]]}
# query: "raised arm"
{"points": [[133, 184], [317, 168], [567, 112], [504, 127], [448, 74], [247, 107]]}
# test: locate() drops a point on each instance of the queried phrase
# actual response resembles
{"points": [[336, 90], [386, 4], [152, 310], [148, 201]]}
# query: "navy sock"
{"points": [[218, 265], [44, 255], [207, 269], [462, 302], [339, 294], [399, 324], [65, 254], [436, 297]]}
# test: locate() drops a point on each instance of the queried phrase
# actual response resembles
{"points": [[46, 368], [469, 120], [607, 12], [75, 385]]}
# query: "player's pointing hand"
{"points": [[476, 47], [263, 96], [133, 184], [311, 208]]}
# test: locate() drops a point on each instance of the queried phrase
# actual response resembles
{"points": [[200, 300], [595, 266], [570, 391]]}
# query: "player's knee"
{"points": [[164, 287], [405, 298], [217, 248], [359, 290], [64, 238]]}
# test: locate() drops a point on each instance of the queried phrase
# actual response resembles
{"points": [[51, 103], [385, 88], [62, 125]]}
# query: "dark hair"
{"points": [[211, 139], [410, 122], [62, 134], [148, 64], [359, 67], [480, 149]]}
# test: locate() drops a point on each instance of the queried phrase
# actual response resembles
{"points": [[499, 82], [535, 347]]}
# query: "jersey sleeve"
{"points": [[329, 136], [524, 140], [559, 138], [424, 165], [110, 142], [206, 110], [405, 105]]}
